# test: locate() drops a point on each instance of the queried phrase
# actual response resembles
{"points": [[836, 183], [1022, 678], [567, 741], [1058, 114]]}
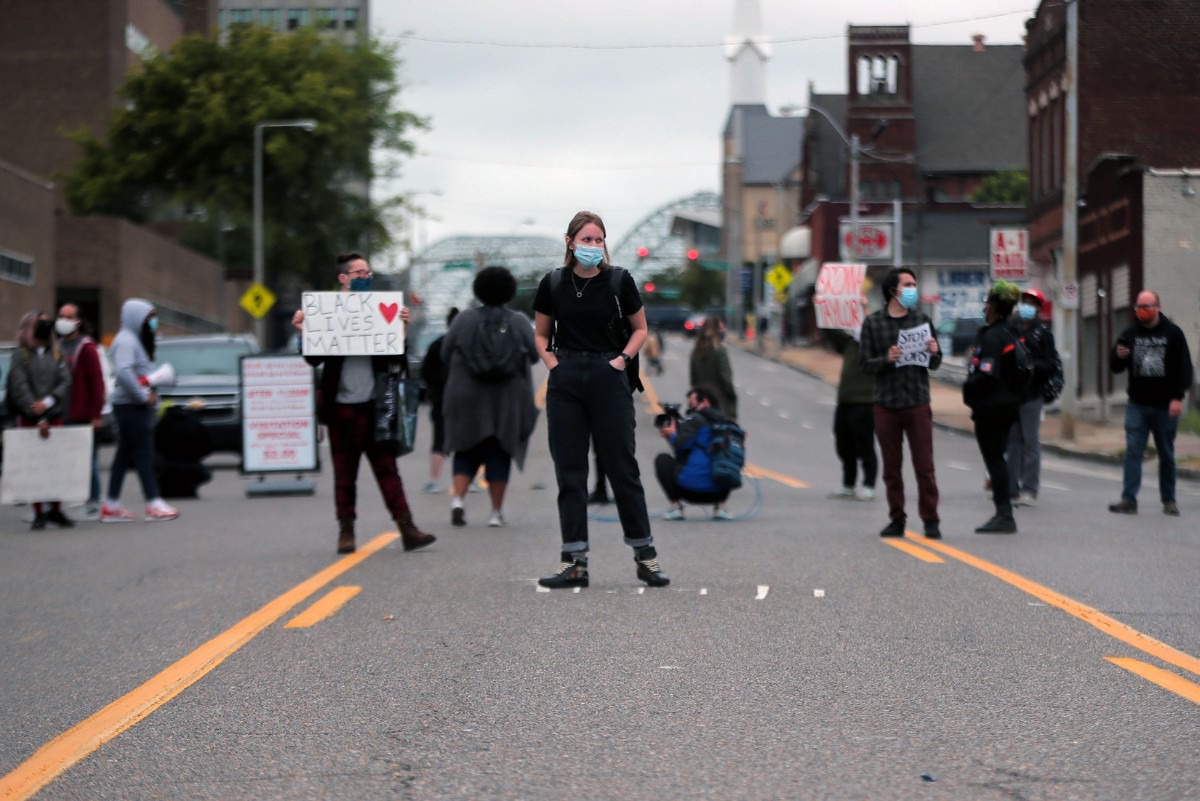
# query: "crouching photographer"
{"points": [[686, 474]]}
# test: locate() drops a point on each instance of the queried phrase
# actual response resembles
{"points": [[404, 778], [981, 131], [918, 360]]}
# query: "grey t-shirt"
{"points": [[357, 383]]}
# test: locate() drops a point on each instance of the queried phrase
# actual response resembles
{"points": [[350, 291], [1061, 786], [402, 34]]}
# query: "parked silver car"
{"points": [[208, 381]]}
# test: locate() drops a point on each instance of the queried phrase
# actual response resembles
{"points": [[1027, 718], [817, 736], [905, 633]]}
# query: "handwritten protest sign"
{"points": [[352, 323], [838, 290], [58, 468], [914, 346]]}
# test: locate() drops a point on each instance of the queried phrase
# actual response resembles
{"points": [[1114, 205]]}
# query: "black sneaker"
{"points": [[1124, 507], [998, 524], [648, 569], [599, 497], [571, 573], [894, 528], [458, 516], [1171, 508], [56, 517], [932, 530], [39, 522]]}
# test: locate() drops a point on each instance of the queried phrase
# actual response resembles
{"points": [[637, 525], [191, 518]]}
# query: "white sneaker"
{"points": [[115, 513], [431, 487], [496, 520], [1026, 500], [845, 493], [158, 510], [866, 494], [91, 511]]}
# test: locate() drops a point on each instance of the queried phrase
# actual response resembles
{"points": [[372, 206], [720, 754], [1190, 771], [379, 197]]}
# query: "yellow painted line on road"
{"points": [[324, 607], [913, 550], [1113, 628], [755, 471], [1168, 681], [57, 756]]}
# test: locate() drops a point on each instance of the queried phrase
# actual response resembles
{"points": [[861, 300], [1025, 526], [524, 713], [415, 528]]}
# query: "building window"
{"points": [[18, 269], [272, 18], [350, 19], [327, 18], [241, 16], [878, 75], [296, 17]]}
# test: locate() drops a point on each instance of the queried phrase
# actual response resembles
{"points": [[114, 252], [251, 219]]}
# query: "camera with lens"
{"points": [[670, 414]]}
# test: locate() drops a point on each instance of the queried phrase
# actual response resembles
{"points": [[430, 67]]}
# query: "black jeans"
{"points": [[992, 427], [587, 397], [854, 438], [667, 471]]}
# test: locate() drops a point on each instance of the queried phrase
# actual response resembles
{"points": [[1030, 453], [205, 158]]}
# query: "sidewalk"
{"points": [[1096, 441]]}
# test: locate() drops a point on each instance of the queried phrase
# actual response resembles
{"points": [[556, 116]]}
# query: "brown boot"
{"points": [[345, 535], [412, 536]]}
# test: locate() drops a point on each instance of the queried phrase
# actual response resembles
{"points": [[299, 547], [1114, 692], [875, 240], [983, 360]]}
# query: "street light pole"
{"points": [[259, 271]]}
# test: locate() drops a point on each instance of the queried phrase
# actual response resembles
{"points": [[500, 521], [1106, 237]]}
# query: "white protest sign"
{"points": [[352, 323], [58, 468], [278, 415], [914, 346], [838, 293]]}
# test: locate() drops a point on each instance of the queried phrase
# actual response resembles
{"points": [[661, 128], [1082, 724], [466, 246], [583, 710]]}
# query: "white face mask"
{"points": [[65, 327]]}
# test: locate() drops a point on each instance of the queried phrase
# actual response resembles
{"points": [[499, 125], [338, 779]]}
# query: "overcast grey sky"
{"points": [[541, 108]]}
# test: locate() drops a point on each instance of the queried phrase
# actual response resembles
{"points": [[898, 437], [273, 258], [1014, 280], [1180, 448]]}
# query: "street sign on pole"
{"points": [[257, 300]]}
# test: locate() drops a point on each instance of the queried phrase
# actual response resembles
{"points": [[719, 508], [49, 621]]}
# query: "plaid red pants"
{"points": [[352, 434]]}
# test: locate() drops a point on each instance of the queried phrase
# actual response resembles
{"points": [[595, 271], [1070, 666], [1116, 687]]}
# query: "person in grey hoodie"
{"points": [[133, 402]]}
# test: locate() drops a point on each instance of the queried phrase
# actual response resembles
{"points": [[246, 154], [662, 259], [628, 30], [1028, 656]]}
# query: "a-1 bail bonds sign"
{"points": [[1010, 254], [57, 468], [838, 296], [352, 324], [279, 426]]}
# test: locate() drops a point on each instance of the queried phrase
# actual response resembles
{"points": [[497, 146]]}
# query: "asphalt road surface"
{"points": [[231, 654]]}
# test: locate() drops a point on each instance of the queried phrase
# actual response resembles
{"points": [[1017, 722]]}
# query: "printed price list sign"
{"points": [[278, 415]]}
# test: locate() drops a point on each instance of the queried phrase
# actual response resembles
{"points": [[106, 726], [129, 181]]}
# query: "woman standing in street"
{"points": [[709, 366], [488, 423], [590, 325]]}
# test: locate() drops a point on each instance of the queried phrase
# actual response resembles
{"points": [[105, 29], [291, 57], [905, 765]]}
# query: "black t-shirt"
{"points": [[592, 322]]}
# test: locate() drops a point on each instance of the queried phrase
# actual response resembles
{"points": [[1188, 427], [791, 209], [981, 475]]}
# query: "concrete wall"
{"points": [[1172, 248]]}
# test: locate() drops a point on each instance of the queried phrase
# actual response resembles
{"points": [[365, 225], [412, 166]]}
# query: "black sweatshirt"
{"points": [[1159, 363]]}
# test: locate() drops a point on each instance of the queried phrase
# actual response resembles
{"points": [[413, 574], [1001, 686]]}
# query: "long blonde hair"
{"points": [[577, 222]]}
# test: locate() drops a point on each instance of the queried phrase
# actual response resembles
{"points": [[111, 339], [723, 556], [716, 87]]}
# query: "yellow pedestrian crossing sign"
{"points": [[258, 300], [779, 277]]}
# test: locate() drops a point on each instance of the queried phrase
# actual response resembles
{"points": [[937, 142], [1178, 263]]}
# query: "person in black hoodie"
{"points": [[1155, 352], [994, 401]]}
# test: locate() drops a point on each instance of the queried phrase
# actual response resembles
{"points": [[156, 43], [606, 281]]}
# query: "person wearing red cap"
{"points": [[1024, 453]]}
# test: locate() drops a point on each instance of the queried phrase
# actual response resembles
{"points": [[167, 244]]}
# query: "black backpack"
{"points": [[1021, 377], [728, 453], [1054, 382], [493, 352]]}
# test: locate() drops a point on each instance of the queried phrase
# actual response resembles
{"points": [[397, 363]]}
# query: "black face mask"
{"points": [[43, 329]]}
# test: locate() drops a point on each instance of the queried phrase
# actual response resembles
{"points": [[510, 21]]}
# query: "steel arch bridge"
{"points": [[654, 234]]}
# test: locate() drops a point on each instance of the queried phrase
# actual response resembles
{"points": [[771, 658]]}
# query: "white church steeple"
{"points": [[748, 51]]}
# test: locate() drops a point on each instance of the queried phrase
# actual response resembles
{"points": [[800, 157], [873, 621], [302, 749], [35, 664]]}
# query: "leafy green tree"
{"points": [[182, 147], [701, 288], [1010, 186]]}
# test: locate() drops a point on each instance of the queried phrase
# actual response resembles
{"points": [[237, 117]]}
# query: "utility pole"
{"points": [[1070, 233]]}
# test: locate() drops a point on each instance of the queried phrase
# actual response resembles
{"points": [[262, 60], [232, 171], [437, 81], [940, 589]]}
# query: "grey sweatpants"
{"points": [[1024, 454]]}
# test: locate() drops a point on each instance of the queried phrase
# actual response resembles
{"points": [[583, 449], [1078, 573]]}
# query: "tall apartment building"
{"points": [[347, 19]]}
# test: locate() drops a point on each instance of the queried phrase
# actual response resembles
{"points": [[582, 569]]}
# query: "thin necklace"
{"points": [[578, 291]]}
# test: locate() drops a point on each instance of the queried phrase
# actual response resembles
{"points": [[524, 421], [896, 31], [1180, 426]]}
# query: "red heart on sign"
{"points": [[389, 310]]}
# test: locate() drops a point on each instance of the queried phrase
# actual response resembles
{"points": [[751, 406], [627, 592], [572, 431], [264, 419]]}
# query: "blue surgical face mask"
{"points": [[909, 297], [588, 256], [152, 323], [1026, 311], [360, 284]]}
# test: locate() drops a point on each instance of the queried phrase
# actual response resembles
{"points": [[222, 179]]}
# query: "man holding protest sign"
{"points": [[899, 347], [854, 418], [346, 395]]}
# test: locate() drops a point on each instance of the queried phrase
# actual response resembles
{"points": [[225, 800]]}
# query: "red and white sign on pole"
{"points": [[1010, 254]]}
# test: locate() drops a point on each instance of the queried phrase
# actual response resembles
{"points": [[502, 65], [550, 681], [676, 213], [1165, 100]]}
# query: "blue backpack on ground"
{"points": [[728, 453]]}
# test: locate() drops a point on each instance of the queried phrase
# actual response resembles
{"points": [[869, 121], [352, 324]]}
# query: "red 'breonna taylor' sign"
{"points": [[838, 294]]}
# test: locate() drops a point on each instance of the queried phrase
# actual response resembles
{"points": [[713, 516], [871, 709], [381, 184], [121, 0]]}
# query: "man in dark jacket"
{"points": [[1024, 455], [990, 393], [686, 474], [346, 405], [1155, 352], [433, 373]]}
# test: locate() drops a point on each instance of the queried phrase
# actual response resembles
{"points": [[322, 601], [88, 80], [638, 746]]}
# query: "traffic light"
{"points": [[693, 255], [648, 286]]}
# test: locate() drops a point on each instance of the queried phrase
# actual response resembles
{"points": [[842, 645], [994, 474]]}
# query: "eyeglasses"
{"points": [[359, 273]]}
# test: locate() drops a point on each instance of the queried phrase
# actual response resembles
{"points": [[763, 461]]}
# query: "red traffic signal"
{"points": [[648, 286], [693, 254], [643, 252]]}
